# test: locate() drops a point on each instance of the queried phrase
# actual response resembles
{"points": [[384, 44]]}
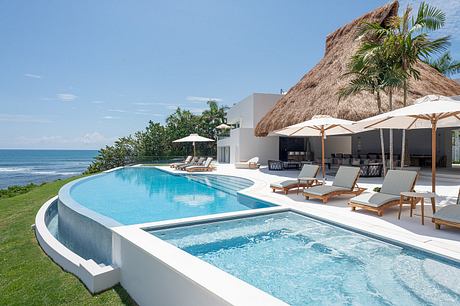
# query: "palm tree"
{"points": [[406, 39], [445, 64], [365, 67]]}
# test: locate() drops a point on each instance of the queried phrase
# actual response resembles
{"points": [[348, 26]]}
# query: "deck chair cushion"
{"points": [[374, 199], [308, 171], [284, 184], [346, 177], [397, 181], [323, 190], [449, 213]]}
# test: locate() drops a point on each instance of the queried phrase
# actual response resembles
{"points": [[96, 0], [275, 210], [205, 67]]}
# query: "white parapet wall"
{"points": [[96, 277], [155, 272]]}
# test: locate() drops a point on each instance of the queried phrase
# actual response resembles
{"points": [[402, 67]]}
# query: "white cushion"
{"points": [[323, 190], [397, 181], [346, 177], [284, 184], [449, 213], [374, 199], [308, 171]]}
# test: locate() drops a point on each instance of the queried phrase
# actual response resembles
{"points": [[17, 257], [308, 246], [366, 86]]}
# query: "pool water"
{"points": [[303, 262], [138, 195]]}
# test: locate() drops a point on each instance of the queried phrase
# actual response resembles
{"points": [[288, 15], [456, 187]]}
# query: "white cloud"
{"points": [[116, 110], [66, 97], [93, 140], [143, 103], [110, 117], [202, 99], [21, 118], [97, 102], [32, 76]]}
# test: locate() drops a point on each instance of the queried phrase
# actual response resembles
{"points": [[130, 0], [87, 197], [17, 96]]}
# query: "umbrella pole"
{"points": [[194, 153], [433, 154], [322, 152]]}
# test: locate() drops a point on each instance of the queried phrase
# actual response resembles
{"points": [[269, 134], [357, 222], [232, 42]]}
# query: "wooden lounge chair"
{"points": [[252, 163], [448, 215], [345, 182], [186, 161], [395, 182], [195, 162], [200, 168], [306, 178]]}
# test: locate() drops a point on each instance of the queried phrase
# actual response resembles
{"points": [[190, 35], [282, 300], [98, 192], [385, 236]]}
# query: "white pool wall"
{"points": [[96, 277]]}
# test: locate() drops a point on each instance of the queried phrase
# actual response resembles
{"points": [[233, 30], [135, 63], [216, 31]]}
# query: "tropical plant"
{"points": [[445, 64], [156, 139]]}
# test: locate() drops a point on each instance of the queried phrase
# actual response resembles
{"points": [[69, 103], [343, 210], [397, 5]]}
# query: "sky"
{"points": [[79, 74]]}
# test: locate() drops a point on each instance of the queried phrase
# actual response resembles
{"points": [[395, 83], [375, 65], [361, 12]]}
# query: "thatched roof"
{"points": [[316, 92]]}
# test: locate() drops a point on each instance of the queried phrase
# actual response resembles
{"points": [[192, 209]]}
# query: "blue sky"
{"points": [[78, 74]]}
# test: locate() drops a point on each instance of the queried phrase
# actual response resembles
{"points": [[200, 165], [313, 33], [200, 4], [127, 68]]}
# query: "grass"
{"points": [[27, 275]]}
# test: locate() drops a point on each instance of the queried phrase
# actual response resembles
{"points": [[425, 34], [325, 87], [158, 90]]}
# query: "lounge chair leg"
{"points": [[353, 208], [285, 191], [307, 197], [380, 213], [438, 226], [325, 200], [273, 189]]}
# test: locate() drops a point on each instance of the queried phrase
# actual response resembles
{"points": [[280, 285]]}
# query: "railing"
{"points": [[221, 137], [158, 160]]}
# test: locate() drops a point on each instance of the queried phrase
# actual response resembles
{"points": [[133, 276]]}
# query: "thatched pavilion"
{"points": [[316, 92]]}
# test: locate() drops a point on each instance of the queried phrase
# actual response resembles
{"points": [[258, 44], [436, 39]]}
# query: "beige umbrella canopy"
{"points": [[193, 138], [428, 112], [223, 126], [319, 125]]}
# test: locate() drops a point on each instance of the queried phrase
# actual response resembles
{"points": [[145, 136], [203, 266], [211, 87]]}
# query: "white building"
{"points": [[242, 145]]}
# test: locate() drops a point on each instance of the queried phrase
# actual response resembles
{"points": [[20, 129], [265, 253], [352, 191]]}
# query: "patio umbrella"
{"points": [[223, 126], [193, 138], [427, 112], [319, 125]]}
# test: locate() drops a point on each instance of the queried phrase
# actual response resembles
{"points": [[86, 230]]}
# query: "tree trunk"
{"points": [[403, 148], [390, 97], [382, 144], [405, 93]]}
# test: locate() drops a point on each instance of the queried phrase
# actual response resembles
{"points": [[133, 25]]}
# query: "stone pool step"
{"points": [[411, 274], [220, 184], [230, 182]]}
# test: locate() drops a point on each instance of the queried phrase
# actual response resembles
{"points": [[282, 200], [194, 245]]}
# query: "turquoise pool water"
{"points": [[306, 262], [139, 195]]}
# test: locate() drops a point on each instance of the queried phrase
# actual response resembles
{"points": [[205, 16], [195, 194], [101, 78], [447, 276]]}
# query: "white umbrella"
{"points": [[319, 125], [223, 126], [428, 112], [193, 138]]}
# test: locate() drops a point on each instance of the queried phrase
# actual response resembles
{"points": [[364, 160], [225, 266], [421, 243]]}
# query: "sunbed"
{"points": [[345, 182], [395, 182], [448, 215], [252, 163], [306, 178], [186, 161], [199, 168], [195, 162]]}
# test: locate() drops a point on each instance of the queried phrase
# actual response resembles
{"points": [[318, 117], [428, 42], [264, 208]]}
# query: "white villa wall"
{"points": [[242, 142]]}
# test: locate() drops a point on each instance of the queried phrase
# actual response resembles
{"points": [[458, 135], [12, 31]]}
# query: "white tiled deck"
{"points": [[407, 230]]}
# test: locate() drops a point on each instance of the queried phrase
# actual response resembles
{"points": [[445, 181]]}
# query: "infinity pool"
{"points": [[140, 194], [303, 261]]}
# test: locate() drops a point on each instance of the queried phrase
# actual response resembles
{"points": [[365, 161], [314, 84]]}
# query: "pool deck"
{"points": [[407, 230]]}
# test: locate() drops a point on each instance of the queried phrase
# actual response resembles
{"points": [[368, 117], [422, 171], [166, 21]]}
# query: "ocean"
{"points": [[21, 167]]}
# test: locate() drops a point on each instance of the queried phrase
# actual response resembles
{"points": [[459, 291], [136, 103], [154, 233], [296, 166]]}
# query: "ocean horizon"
{"points": [[24, 166]]}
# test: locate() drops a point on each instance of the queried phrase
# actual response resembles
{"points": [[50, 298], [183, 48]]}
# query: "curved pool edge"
{"points": [[95, 277]]}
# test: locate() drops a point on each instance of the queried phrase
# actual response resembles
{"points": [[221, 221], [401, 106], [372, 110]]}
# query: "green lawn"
{"points": [[27, 275]]}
